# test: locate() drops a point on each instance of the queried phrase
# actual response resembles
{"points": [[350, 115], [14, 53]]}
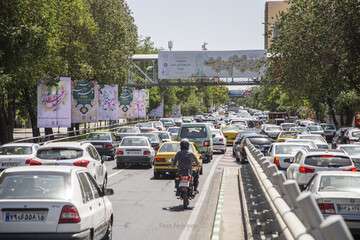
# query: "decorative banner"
{"points": [[108, 103], [133, 103], [85, 97], [54, 104], [223, 64]]}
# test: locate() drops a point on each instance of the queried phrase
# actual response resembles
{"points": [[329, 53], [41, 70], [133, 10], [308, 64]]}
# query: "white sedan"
{"points": [[16, 154], [80, 154], [48, 202], [317, 138]]}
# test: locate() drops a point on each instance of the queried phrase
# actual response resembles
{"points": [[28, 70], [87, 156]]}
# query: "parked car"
{"points": [[104, 142], [337, 192], [272, 131], [329, 131], [307, 163], [316, 129], [352, 135], [287, 126], [164, 136], [80, 154], [200, 134], [16, 154], [353, 150], [219, 140], [51, 202], [318, 139], [167, 122], [163, 160], [282, 154], [339, 137], [135, 150]]}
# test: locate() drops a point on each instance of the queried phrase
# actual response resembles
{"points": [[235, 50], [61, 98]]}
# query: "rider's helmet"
{"points": [[185, 144]]}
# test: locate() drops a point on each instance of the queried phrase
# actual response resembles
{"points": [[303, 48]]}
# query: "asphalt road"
{"points": [[145, 208]]}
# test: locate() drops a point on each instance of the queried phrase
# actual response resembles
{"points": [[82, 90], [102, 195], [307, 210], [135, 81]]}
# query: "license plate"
{"points": [[349, 208], [184, 184], [23, 216], [9, 164]]}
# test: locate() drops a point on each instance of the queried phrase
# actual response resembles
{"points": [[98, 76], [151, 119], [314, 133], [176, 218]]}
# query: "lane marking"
{"points": [[186, 233], [115, 173], [215, 235]]}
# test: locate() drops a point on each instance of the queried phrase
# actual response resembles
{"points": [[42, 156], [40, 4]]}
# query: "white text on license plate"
{"points": [[349, 208], [23, 216], [184, 184]]}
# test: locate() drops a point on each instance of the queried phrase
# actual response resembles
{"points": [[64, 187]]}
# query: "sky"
{"points": [[223, 24]]}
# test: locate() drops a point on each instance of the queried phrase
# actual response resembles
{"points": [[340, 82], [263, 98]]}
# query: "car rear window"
{"points": [[260, 140], [351, 150], [15, 150], [128, 130], [59, 153], [152, 137], [173, 130], [99, 136], [289, 149], [328, 161], [311, 137], [173, 147], [329, 127], [270, 129], [193, 132], [163, 135], [356, 134], [33, 185], [340, 184], [315, 128], [134, 142]]}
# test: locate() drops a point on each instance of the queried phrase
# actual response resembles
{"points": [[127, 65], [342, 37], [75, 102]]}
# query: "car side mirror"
{"points": [[108, 191]]}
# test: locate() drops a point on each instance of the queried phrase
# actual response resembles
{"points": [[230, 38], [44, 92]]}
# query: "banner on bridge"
{"points": [[85, 97], [108, 103], [211, 64], [133, 103], [54, 104]]}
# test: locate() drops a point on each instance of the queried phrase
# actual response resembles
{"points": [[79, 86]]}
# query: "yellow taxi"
{"points": [[165, 154], [230, 132], [285, 135]]}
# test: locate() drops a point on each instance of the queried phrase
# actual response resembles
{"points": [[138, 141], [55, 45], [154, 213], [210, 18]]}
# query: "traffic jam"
{"points": [[59, 189]]}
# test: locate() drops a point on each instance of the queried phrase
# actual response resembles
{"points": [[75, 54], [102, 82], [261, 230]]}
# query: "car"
{"points": [[282, 154], [80, 154], [219, 140], [153, 139], [316, 129], [167, 122], [187, 120], [51, 202], [230, 132], [307, 163], [16, 154], [311, 143], [261, 142], [238, 139], [164, 136], [299, 129], [163, 163], [318, 139], [272, 131], [339, 137], [104, 142], [174, 131], [352, 135], [305, 123], [353, 150], [285, 135], [151, 125], [128, 129], [135, 150], [329, 131], [337, 192], [286, 126], [241, 122], [200, 134], [178, 121]]}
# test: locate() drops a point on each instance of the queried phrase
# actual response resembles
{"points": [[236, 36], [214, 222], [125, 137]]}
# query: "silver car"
{"points": [[219, 140], [16, 154], [353, 150], [317, 138], [282, 154]]}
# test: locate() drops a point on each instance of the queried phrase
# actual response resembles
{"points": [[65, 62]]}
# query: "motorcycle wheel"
{"points": [[185, 200]]}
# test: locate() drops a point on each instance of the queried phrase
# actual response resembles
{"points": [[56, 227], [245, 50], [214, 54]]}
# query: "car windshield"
{"points": [[99, 136], [315, 128], [340, 184], [15, 150], [59, 153], [289, 149], [328, 161], [173, 147], [351, 150], [273, 129], [134, 142], [128, 130], [33, 185], [193, 132], [356, 134]]}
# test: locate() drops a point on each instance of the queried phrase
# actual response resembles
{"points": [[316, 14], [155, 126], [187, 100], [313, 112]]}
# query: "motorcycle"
{"points": [[185, 189]]}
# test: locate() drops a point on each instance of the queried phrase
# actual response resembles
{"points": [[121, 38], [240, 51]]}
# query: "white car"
{"points": [[337, 192], [80, 154], [318, 139], [303, 141], [219, 140], [50, 202], [272, 131], [307, 163], [352, 135], [135, 150], [316, 129], [287, 126], [16, 154], [282, 154], [353, 150]]}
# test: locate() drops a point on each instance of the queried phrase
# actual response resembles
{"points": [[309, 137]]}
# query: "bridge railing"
{"points": [[296, 212]]}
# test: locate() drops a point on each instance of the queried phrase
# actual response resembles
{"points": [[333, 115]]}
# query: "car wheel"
{"points": [[108, 235], [156, 175]]}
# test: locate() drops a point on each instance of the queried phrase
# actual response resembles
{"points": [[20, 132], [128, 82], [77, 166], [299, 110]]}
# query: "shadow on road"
{"points": [[179, 208]]}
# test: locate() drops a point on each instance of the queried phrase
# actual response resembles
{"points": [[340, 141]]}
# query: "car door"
{"points": [[99, 210], [87, 213], [98, 165]]}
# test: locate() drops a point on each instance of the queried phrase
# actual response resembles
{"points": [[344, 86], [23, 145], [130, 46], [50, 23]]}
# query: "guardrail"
{"points": [[296, 212]]}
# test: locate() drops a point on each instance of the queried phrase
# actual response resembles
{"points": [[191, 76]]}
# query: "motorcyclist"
{"points": [[184, 160]]}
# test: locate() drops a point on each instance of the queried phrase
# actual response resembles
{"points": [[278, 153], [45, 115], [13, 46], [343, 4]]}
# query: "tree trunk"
{"points": [[332, 111], [31, 110], [49, 131]]}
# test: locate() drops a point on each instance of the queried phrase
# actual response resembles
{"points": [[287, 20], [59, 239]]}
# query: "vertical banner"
{"points": [[133, 103], [108, 103], [54, 104], [85, 97]]}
